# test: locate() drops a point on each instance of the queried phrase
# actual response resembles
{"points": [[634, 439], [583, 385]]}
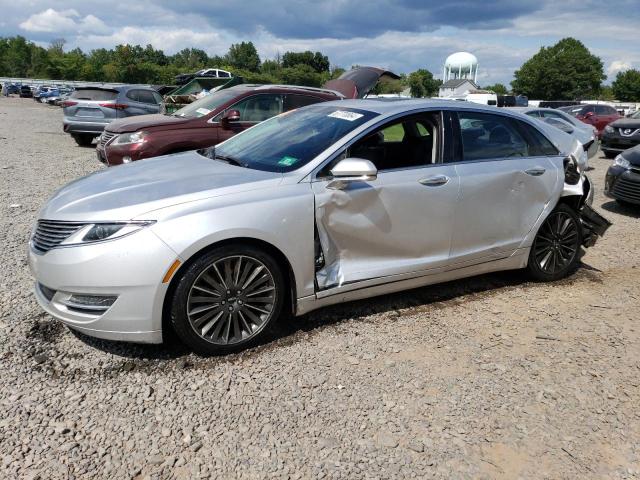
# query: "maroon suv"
{"points": [[203, 123], [220, 115]]}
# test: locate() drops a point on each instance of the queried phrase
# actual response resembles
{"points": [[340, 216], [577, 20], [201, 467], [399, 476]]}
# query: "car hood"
{"points": [[130, 191], [356, 83], [633, 155], [626, 123], [139, 122]]}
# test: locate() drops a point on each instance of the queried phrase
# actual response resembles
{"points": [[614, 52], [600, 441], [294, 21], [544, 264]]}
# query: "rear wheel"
{"points": [[556, 248], [227, 300], [609, 154], [83, 139]]}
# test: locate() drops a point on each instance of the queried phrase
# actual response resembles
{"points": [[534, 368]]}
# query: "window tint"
{"points": [[601, 110], [146, 96], [132, 95], [157, 97], [486, 136], [296, 101], [409, 142], [535, 114], [258, 108], [93, 94], [539, 145]]}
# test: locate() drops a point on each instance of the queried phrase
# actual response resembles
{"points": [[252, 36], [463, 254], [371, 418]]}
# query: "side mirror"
{"points": [[352, 170], [588, 114], [229, 117]]}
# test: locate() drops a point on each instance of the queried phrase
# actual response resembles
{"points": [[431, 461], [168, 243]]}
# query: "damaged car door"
{"points": [[393, 219], [507, 177]]}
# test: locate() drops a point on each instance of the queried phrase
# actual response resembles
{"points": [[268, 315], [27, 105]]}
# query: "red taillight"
{"points": [[116, 106], [69, 103]]}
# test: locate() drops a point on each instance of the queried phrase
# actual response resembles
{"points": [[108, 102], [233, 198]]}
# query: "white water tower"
{"points": [[461, 65]]}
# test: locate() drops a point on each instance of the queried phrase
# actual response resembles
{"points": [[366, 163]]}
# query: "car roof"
{"points": [[251, 87], [400, 105]]}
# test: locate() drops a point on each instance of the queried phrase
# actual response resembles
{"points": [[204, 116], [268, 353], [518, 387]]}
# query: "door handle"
{"points": [[535, 172], [434, 181]]}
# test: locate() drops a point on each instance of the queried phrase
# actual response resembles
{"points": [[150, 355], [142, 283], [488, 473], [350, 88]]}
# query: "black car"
{"points": [[621, 135], [26, 92], [623, 177]]}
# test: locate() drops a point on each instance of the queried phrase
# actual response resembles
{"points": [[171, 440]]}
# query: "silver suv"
{"points": [[88, 110]]}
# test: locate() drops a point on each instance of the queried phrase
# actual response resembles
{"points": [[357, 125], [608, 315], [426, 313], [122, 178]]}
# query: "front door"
{"points": [[508, 175], [398, 224], [253, 109]]}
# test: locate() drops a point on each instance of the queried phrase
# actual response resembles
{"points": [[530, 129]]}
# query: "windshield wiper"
{"points": [[229, 160]]}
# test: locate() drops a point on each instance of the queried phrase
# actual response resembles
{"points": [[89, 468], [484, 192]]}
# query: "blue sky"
{"points": [[401, 35]]}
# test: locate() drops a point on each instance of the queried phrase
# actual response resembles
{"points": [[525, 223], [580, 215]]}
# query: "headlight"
{"points": [[128, 138], [609, 129], [98, 232], [621, 162]]}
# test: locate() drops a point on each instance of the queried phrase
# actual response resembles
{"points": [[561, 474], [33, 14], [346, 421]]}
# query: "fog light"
{"points": [[126, 159], [93, 303]]}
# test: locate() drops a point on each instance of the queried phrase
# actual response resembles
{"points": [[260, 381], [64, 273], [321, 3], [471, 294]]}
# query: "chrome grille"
{"points": [[50, 233], [106, 138], [626, 189]]}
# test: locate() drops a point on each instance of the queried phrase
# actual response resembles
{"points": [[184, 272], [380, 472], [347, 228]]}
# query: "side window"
{"points": [[487, 136], [292, 102], [258, 108], [132, 95], [405, 143], [588, 109], [539, 145], [534, 113], [611, 111], [157, 97], [145, 96], [601, 110]]}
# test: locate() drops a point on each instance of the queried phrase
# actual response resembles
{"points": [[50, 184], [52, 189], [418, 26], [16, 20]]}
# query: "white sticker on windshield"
{"points": [[203, 111], [345, 115]]}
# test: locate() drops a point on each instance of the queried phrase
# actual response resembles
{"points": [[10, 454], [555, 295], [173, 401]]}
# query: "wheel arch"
{"points": [[263, 245]]}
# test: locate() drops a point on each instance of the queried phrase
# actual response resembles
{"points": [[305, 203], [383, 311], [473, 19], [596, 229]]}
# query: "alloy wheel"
{"points": [[557, 243], [231, 300]]}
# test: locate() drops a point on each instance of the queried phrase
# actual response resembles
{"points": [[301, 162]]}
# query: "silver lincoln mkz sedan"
{"points": [[329, 203]]}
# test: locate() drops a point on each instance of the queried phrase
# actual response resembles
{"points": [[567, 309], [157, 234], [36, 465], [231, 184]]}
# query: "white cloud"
{"points": [[617, 66], [63, 21]]}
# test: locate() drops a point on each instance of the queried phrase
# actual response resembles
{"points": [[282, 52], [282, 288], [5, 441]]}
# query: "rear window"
{"points": [[94, 94]]}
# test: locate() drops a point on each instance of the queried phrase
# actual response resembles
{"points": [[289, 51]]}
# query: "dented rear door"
{"points": [[400, 223]]}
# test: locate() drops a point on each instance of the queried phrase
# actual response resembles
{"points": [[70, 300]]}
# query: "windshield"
{"points": [[635, 115], [291, 140], [206, 104]]}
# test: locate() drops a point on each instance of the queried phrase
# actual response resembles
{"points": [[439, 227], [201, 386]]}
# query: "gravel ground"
{"points": [[491, 377]]}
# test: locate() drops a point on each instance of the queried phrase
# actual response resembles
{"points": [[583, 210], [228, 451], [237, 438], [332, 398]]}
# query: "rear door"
{"points": [[141, 102], [506, 180], [91, 105]]}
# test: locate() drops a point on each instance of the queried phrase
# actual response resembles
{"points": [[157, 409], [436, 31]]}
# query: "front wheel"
{"points": [[227, 300], [556, 248]]}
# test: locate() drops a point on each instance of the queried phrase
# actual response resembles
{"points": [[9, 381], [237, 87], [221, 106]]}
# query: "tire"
{"points": [[555, 252], [83, 139], [609, 154], [626, 204], [214, 307]]}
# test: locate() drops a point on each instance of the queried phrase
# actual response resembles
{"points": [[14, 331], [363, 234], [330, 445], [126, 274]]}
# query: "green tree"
{"points": [[498, 88], [301, 75], [317, 61], [564, 71], [244, 56], [422, 84], [626, 86]]}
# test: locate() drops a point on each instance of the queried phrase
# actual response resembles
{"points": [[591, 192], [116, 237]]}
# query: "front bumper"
{"points": [[614, 142], [131, 268], [623, 184]]}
